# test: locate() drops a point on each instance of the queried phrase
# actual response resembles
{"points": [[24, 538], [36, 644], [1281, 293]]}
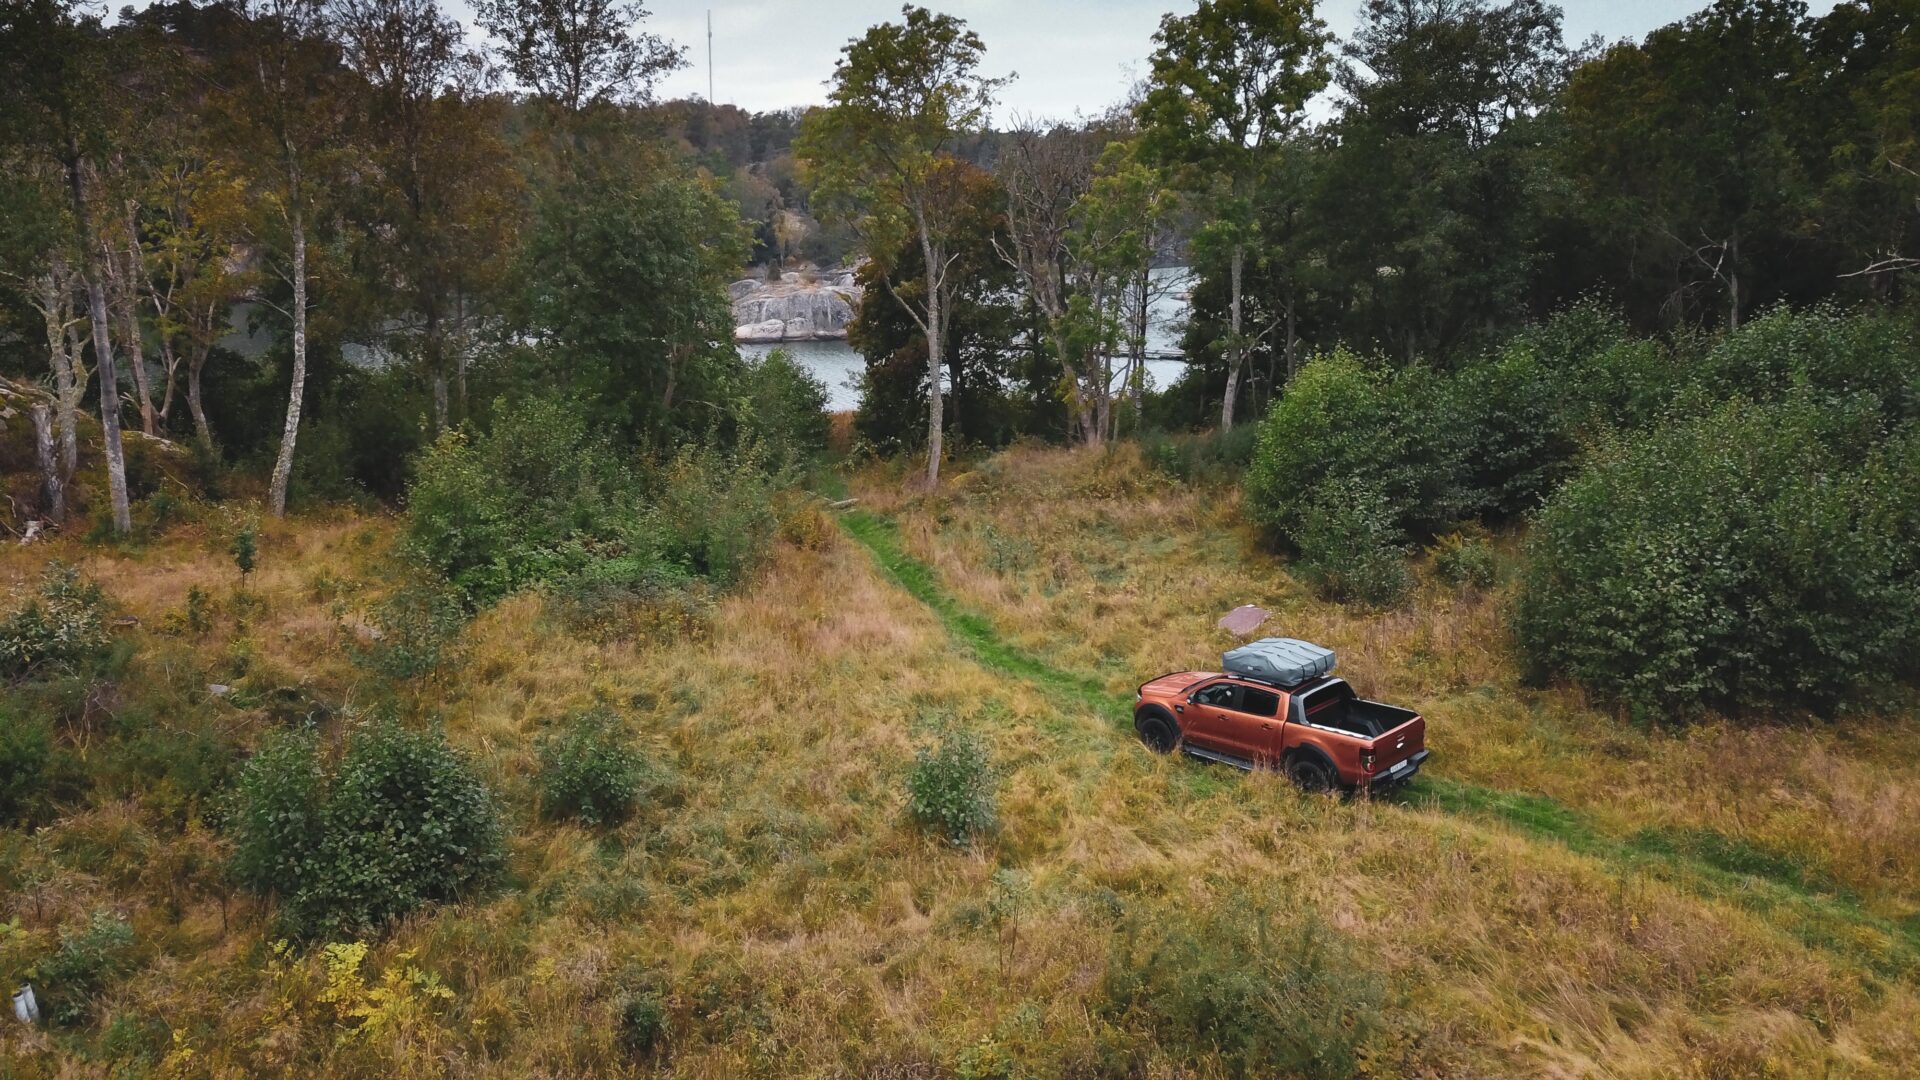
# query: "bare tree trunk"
{"points": [[1234, 355], [63, 354], [460, 354], [127, 294], [1733, 282], [50, 479], [283, 464], [936, 348], [92, 275], [170, 362], [1293, 340], [201, 429], [77, 390]]}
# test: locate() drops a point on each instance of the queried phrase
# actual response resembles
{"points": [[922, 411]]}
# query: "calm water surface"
{"points": [[838, 366]]}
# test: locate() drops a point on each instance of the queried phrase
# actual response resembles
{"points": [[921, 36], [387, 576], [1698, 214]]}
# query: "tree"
{"points": [[624, 270], [1046, 175], [982, 319], [1436, 184], [881, 156], [1121, 223], [578, 53], [1687, 139], [58, 105], [284, 110], [438, 174], [1229, 84]]}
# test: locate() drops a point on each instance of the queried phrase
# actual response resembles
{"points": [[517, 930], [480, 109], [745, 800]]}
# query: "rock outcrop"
{"points": [[798, 307]]}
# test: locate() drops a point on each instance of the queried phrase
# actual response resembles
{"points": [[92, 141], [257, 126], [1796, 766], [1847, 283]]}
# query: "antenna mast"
{"points": [[709, 56]]}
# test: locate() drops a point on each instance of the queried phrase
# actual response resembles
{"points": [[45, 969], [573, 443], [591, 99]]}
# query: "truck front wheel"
{"points": [[1157, 732]]}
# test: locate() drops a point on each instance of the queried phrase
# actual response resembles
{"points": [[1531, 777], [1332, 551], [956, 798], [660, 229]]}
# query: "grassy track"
{"points": [[1709, 864]]}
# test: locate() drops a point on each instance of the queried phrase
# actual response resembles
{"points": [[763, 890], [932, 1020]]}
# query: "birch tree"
{"points": [[283, 109], [881, 155], [58, 105]]}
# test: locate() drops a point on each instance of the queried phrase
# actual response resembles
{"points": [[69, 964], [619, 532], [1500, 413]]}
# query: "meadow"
{"points": [[1565, 892]]}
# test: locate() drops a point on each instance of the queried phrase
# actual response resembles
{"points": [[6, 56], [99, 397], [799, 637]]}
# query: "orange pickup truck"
{"points": [[1276, 707]]}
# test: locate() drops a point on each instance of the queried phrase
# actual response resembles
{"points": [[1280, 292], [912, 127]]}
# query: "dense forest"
{"points": [[434, 645]]}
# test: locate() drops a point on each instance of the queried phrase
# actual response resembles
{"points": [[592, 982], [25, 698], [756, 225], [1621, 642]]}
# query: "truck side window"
{"points": [[1258, 702], [1219, 695]]}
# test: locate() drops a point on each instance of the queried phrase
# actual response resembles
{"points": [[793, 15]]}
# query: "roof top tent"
{"points": [[1278, 660]]}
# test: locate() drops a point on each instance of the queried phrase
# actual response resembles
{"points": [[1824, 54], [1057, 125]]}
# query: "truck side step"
{"points": [[1215, 755]]}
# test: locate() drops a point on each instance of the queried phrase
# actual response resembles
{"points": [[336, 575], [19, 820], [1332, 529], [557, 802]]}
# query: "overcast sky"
{"points": [[1071, 56]]}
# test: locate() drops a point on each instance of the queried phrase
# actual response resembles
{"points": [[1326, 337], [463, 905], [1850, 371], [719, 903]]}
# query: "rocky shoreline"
{"points": [[800, 306]]}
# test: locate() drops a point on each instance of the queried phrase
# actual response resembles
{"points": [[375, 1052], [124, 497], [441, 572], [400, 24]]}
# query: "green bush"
{"points": [[1816, 355], [90, 958], [1759, 556], [588, 772], [1340, 422], [643, 1023], [1465, 558], [1211, 458], [277, 820], [26, 745], [401, 822], [60, 628], [714, 515], [1350, 547], [540, 500], [519, 504], [416, 628], [1262, 992], [951, 788], [782, 410]]}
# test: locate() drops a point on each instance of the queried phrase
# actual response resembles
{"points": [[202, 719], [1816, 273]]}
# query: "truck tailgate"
{"points": [[1398, 745]]}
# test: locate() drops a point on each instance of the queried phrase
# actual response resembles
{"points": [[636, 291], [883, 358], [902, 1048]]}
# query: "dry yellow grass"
{"points": [[792, 921]]}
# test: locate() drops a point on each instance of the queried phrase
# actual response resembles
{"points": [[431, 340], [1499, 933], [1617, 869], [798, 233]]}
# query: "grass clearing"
{"points": [[770, 908]]}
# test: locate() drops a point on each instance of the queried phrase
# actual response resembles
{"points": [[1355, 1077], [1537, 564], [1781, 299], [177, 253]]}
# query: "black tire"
{"points": [[1310, 774], [1157, 732]]}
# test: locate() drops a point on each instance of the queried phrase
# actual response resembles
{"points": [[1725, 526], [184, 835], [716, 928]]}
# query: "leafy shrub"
{"points": [[1759, 556], [416, 630], [1350, 546], [782, 410], [951, 788], [539, 500], [628, 597], [89, 959], [588, 772], [1342, 423], [1266, 993], [62, 627], [245, 547], [26, 744], [519, 504], [402, 821], [277, 820], [1817, 355], [643, 1023], [714, 515], [1465, 558], [1211, 458]]}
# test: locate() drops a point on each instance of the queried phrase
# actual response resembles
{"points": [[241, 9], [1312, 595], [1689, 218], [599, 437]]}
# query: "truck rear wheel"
{"points": [[1157, 732], [1310, 774]]}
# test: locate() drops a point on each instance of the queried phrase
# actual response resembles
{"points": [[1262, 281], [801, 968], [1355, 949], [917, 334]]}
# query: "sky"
{"points": [[1071, 56]]}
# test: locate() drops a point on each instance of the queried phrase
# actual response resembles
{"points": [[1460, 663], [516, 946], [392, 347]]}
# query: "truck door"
{"points": [[1260, 720], [1236, 719]]}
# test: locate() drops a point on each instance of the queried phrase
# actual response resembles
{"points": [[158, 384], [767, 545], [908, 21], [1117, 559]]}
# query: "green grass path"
{"points": [[1816, 911]]}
